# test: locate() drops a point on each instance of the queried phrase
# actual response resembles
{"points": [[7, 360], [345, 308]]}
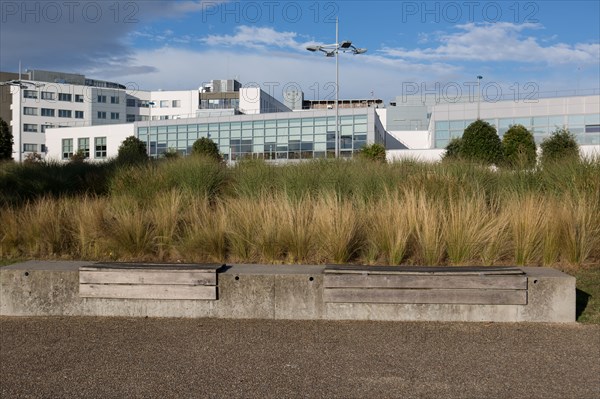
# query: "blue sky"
{"points": [[528, 47]]}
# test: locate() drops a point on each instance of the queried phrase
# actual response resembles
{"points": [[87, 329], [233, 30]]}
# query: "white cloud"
{"points": [[502, 41], [254, 37]]}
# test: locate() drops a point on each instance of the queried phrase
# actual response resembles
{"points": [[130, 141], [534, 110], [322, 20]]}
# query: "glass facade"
{"points": [[296, 137], [585, 127]]}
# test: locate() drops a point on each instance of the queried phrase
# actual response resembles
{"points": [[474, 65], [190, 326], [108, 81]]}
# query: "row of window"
{"points": [[113, 115], [33, 128], [113, 99], [51, 112], [586, 127], [27, 147], [48, 95], [132, 102], [68, 97], [83, 146]]}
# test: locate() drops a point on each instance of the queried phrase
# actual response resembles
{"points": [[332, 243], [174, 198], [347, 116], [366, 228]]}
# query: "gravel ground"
{"points": [[76, 357]]}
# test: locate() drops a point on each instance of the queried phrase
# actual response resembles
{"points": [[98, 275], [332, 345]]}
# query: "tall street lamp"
{"points": [[20, 84], [479, 77], [333, 50], [150, 105]]}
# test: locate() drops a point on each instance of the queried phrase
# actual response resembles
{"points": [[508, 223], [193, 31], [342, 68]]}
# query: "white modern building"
{"points": [[426, 129], [41, 100], [277, 136]]}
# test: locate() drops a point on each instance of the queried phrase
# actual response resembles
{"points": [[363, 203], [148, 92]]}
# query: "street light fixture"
{"points": [[479, 77], [333, 50], [20, 84]]}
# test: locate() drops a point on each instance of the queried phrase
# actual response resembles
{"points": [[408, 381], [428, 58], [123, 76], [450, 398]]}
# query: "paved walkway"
{"points": [[207, 358]]}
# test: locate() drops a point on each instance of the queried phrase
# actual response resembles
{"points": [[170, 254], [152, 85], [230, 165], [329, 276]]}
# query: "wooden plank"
{"points": [[130, 276], [447, 270], [119, 291], [153, 266], [441, 296], [424, 281]]}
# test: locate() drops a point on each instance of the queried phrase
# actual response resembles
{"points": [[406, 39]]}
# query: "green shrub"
{"points": [[481, 143], [132, 151], [453, 149], [206, 147], [560, 146], [373, 152], [519, 147]]}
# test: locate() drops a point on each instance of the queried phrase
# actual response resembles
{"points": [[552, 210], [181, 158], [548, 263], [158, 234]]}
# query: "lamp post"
{"points": [[479, 77], [333, 50], [150, 105], [20, 84]]}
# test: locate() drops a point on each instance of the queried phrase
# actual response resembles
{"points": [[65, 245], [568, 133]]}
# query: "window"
{"points": [[101, 115], [30, 111], [114, 115], [114, 99], [44, 149], [44, 127], [130, 118], [78, 98], [29, 147], [83, 145], [100, 145], [176, 103], [47, 112], [28, 127], [64, 97], [30, 94], [67, 148], [79, 114], [592, 128], [101, 99], [131, 102], [164, 103], [64, 113], [46, 95]]}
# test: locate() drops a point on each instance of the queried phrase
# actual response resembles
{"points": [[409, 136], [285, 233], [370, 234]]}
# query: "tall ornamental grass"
{"points": [[199, 210]]}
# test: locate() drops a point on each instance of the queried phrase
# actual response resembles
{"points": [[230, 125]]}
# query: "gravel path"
{"points": [[78, 357]]}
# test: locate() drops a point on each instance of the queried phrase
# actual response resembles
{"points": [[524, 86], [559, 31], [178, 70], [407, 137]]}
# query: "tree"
{"points": [[481, 143], [561, 145], [453, 149], [206, 147], [373, 152], [132, 151], [518, 146], [6, 142]]}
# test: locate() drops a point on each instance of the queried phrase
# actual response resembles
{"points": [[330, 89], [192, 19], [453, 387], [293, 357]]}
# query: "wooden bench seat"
{"points": [[425, 285], [149, 281]]}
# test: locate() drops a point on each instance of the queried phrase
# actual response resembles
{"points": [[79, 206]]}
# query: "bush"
{"points": [[6, 142], [78, 157], [561, 145], [453, 149], [132, 151], [373, 152], [519, 147], [481, 143], [206, 147]]}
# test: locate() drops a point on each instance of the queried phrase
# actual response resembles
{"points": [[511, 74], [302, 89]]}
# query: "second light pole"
{"points": [[333, 50]]}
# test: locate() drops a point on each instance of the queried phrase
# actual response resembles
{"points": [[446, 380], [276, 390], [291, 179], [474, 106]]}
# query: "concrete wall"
{"points": [[267, 292]]}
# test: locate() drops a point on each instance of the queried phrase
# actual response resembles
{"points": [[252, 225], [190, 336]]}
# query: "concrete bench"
{"points": [[148, 281], [425, 285]]}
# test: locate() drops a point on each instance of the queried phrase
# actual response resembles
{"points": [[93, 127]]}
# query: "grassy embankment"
{"points": [[319, 212]]}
